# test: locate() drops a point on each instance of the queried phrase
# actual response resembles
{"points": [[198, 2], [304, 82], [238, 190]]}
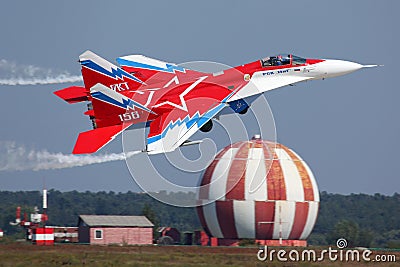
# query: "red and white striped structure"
{"points": [[260, 190], [43, 236]]}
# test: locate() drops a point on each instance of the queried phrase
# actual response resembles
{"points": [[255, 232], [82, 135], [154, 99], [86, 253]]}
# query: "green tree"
{"points": [[152, 216], [365, 238], [316, 239], [346, 229]]}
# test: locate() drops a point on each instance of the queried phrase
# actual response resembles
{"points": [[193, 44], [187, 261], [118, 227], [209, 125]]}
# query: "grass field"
{"points": [[25, 254]]}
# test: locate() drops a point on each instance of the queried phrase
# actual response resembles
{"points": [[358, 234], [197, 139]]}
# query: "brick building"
{"points": [[111, 229]]}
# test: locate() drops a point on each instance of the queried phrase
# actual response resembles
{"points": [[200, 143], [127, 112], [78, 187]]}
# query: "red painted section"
{"points": [[237, 173], [305, 178], [265, 215], [269, 160], [91, 78], [214, 241], [89, 113], [73, 94], [145, 74], [18, 213], [282, 243], [300, 219], [275, 182], [93, 140], [226, 218], [314, 61], [44, 217], [122, 235], [108, 115], [43, 236], [201, 238], [198, 101]]}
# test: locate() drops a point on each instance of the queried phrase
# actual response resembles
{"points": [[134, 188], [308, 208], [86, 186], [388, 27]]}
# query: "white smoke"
{"points": [[17, 74], [19, 158]]}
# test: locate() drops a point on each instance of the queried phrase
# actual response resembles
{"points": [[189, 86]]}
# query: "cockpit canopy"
{"points": [[282, 59]]}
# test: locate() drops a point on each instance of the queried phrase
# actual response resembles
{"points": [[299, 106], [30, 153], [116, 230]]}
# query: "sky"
{"points": [[345, 128]]}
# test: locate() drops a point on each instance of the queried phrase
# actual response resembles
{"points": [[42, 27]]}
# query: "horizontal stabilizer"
{"points": [[90, 112], [93, 140], [73, 94]]}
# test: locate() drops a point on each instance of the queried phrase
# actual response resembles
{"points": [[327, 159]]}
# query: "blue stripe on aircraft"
{"points": [[125, 102], [199, 120], [115, 73], [190, 121], [169, 67]]}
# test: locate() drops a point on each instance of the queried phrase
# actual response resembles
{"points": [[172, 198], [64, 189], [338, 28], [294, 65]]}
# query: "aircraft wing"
{"points": [[171, 134], [259, 84], [172, 128]]}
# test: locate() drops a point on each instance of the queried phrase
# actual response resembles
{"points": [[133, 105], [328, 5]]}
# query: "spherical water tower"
{"points": [[259, 190]]}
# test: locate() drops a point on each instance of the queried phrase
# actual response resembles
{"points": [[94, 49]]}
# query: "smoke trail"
{"points": [[19, 158], [16, 74], [61, 78]]}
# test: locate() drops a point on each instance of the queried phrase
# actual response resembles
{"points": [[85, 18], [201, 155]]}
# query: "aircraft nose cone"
{"points": [[345, 66], [333, 67]]}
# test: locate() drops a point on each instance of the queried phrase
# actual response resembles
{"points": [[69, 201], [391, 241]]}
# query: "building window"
{"points": [[98, 234]]}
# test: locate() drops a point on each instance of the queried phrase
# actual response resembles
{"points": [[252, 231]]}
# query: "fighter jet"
{"points": [[175, 102]]}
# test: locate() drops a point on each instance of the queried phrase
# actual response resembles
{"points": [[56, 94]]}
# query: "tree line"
{"points": [[364, 220]]}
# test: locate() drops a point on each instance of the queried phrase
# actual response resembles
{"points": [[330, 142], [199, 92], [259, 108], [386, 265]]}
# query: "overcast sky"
{"points": [[347, 128]]}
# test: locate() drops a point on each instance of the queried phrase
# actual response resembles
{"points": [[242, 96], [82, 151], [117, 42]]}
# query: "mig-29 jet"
{"points": [[176, 102]]}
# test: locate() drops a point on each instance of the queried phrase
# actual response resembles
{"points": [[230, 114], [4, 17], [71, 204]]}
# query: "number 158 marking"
{"points": [[129, 116]]}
